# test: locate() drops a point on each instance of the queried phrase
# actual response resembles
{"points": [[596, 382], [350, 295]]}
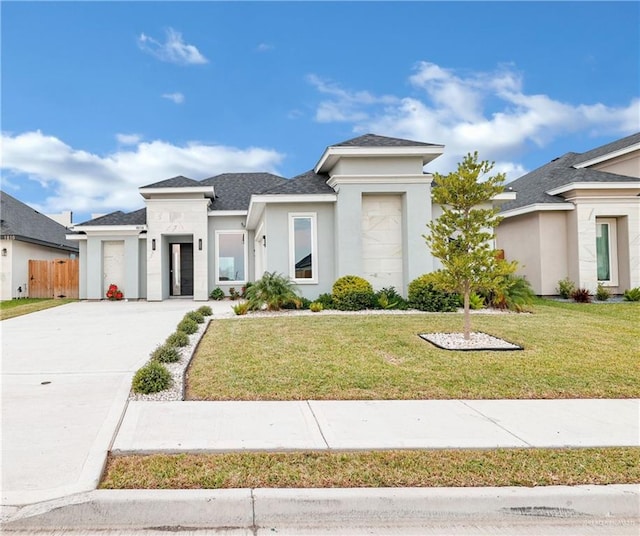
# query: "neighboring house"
{"points": [[578, 217], [361, 210], [27, 235]]}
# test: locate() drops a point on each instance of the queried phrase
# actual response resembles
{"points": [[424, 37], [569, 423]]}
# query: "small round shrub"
{"points": [[188, 326], [217, 294], [205, 310], [179, 338], [315, 307], [602, 293], [195, 315], [152, 378], [166, 354], [353, 293], [425, 296]]}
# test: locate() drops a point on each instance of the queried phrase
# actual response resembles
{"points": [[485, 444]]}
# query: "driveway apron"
{"points": [[66, 374]]}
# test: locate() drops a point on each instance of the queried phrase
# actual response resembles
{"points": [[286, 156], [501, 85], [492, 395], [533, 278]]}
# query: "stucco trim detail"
{"points": [[536, 208], [594, 186]]}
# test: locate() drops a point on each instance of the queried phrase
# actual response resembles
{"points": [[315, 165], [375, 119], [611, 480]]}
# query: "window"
{"points": [[303, 258], [606, 251], [231, 256]]}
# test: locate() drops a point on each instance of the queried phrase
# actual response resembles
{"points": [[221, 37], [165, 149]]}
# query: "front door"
{"points": [[181, 270]]}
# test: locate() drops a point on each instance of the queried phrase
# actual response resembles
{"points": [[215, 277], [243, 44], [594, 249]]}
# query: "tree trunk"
{"points": [[467, 313]]}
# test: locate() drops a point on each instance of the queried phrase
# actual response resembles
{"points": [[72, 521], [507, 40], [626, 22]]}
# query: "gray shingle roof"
{"points": [[609, 148], [174, 182], [306, 183], [29, 225], [531, 188], [373, 140], [137, 217], [234, 190]]}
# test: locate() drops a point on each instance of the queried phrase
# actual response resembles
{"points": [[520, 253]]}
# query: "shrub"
{"points": [[424, 295], [316, 307], [475, 301], [241, 308], [152, 378], [353, 293], [188, 326], [302, 303], [165, 354], [234, 294], [273, 290], [179, 338], [195, 315], [326, 300], [217, 294], [243, 290], [581, 295], [633, 294], [205, 310], [388, 298], [602, 293], [565, 288], [515, 293]]}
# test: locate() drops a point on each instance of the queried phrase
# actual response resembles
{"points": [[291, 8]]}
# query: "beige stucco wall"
{"points": [[14, 267], [378, 166], [519, 237], [552, 227], [628, 164]]}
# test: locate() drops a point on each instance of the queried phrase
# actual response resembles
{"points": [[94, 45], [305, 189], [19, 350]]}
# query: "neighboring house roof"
{"points": [[28, 225], [373, 140], [306, 183], [531, 188], [137, 217], [174, 182], [234, 190]]}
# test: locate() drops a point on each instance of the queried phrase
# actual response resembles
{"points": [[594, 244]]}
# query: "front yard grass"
{"points": [[13, 308], [412, 468], [570, 351]]}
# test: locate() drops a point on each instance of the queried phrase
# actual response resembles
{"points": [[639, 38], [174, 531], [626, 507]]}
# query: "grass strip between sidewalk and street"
{"points": [[400, 468], [570, 351], [24, 306]]}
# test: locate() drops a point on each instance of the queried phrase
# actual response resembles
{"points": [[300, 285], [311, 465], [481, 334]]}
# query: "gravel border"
{"points": [[479, 341]]}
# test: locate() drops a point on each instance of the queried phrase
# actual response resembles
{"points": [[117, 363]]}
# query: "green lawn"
{"points": [[571, 351], [13, 308], [418, 468]]}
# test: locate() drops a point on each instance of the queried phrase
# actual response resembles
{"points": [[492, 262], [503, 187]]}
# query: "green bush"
{"points": [[195, 315], [273, 290], [475, 301], [165, 354], [179, 338], [388, 298], [188, 326], [515, 293], [152, 378], [602, 293], [217, 294], [316, 307], [241, 308], [326, 300], [424, 295], [353, 293], [633, 294], [205, 310], [565, 288]]}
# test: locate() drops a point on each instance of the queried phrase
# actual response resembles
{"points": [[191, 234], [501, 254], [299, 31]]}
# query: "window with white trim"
{"points": [[607, 251], [303, 252], [231, 257]]}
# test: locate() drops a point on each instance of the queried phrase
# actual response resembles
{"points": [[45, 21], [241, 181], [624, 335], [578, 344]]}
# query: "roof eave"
{"points": [[536, 207], [206, 191], [607, 156], [595, 185], [333, 153]]}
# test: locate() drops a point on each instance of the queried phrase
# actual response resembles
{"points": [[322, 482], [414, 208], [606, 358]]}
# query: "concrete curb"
{"points": [[357, 507]]}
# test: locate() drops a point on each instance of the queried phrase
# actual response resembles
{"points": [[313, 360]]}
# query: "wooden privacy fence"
{"points": [[53, 279]]}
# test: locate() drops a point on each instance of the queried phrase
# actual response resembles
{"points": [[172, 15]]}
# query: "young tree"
{"points": [[461, 237]]}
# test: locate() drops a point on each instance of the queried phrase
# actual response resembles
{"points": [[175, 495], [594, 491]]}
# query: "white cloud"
{"points": [[264, 47], [176, 97], [128, 139], [173, 50], [486, 111], [88, 182]]}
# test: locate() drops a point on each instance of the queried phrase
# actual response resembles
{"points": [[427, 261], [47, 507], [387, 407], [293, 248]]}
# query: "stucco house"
{"points": [[578, 217], [26, 234], [361, 210]]}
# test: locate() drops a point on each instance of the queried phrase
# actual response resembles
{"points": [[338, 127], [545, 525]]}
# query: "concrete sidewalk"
{"points": [[374, 425]]}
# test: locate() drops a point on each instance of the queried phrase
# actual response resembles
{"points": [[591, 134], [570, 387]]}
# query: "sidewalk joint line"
{"points": [[315, 418], [497, 423]]}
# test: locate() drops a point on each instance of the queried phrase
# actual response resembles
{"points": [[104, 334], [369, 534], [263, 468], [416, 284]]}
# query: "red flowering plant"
{"points": [[114, 293]]}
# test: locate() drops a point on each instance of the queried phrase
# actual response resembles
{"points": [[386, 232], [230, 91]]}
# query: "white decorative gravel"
{"points": [[478, 341]]}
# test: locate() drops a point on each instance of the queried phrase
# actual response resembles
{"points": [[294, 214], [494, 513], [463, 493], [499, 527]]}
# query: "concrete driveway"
{"points": [[66, 374]]}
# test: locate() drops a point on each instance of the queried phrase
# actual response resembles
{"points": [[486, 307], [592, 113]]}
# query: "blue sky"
{"points": [[99, 98]]}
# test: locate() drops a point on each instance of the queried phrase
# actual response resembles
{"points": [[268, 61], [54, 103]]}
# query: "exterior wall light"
{"points": [[153, 244], [4, 252], [264, 240], [200, 244]]}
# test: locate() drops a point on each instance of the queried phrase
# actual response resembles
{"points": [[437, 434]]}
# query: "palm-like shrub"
{"points": [[513, 293], [273, 290]]}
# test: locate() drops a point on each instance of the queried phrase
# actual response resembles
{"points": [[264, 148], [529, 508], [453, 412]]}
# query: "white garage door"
{"points": [[382, 240], [113, 264]]}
